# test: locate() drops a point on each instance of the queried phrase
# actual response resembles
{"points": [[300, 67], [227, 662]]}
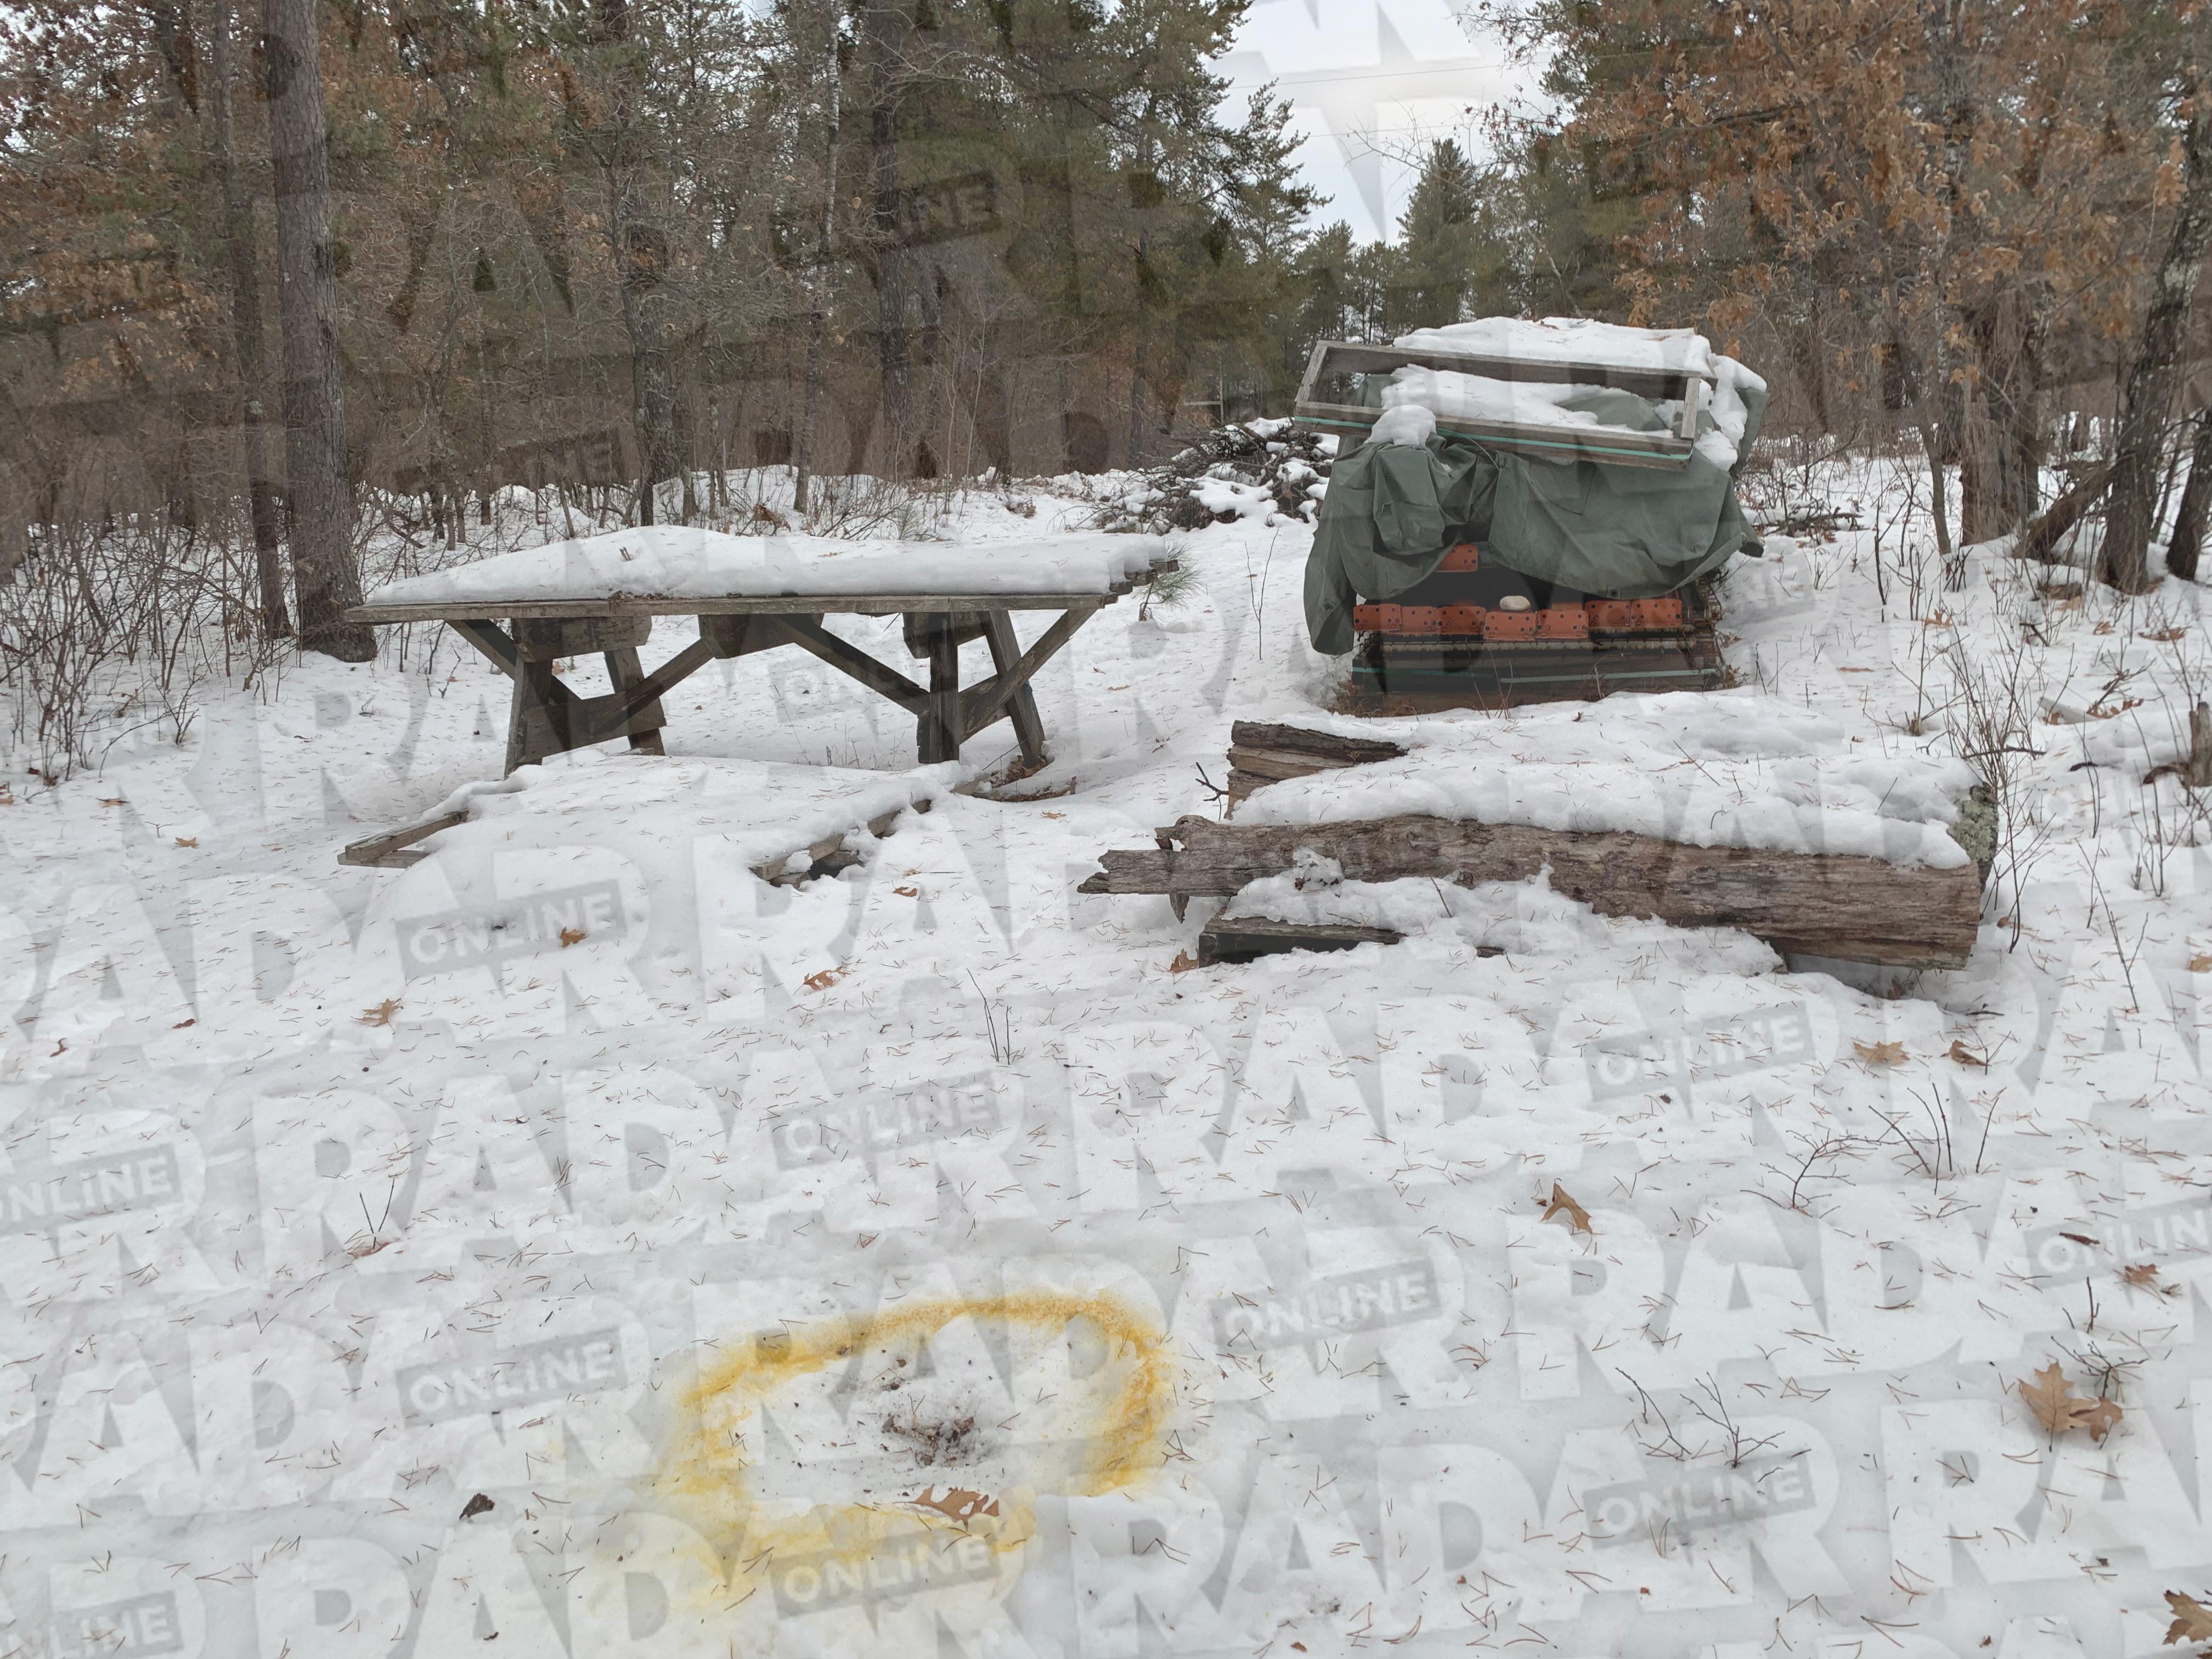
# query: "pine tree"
{"points": [[1439, 240]]}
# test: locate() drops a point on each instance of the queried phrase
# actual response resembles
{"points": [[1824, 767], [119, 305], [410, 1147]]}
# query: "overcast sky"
{"points": [[1368, 80]]}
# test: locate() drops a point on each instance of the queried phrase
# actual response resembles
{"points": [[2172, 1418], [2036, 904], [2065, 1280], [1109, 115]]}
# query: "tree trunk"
{"points": [[641, 249], [1981, 503], [2196, 497], [317, 490], [2124, 561], [2001, 442], [245, 264], [1933, 445], [2021, 478], [2043, 532], [888, 31], [818, 325]]}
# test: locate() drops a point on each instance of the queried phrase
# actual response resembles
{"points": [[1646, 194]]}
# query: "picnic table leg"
{"points": [[1021, 707], [519, 704], [537, 693], [625, 670], [938, 737]]}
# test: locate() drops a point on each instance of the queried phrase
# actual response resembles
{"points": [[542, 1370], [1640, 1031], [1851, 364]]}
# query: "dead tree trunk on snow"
{"points": [[317, 489]]}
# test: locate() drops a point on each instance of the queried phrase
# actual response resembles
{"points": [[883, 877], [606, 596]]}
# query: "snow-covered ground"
{"points": [[576, 1242]]}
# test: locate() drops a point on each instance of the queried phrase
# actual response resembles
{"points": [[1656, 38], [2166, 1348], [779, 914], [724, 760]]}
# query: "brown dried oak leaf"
{"points": [[2192, 1620], [1578, 1218], [1880, 1053], [1966, 1056], [2057, 1407], [2100, 1418], [382, 1013], [572, 936], [958, 1502]]}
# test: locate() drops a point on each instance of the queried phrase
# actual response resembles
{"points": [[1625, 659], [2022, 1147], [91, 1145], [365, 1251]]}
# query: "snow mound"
{"points": [[1572, 340], [1456, 396], [1406, 423], [674, 562], [767, 809], [1710, 769]]}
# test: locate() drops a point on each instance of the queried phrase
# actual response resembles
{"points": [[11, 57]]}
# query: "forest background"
{"points": [[275, 277]]}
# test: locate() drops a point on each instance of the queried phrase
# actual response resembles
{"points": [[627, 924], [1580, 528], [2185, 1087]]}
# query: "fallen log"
{"points": [[1857, 909], [1261, 754], [1229, 940], [1245, 939]]}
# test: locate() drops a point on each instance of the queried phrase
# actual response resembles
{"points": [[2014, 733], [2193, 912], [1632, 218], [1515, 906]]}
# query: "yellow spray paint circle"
{"points": [[832, 1454]]}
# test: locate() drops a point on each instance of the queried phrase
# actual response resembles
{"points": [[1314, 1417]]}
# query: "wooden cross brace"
{"points": [[547, 718]]}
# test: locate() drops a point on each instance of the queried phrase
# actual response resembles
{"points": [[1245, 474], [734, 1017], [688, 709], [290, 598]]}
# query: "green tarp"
{"points": [[1393, 510]]}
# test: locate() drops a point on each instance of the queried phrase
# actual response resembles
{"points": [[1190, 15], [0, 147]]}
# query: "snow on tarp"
{"points": [[674, 562], [1568, 340], [1710, 769]]}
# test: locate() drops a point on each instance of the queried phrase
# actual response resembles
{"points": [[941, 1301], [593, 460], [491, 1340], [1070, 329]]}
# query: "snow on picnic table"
{"points": [[679, 563], [1731, 768]]}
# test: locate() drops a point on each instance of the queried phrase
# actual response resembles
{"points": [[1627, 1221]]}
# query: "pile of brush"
{"points": [[1245, 470]]}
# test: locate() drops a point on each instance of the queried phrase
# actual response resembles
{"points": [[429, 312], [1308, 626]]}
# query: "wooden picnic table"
{"points": [[547, 718]]}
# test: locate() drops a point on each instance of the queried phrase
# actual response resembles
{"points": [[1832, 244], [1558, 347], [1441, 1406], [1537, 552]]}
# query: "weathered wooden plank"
{"points": [[591, 720], [1260, 753], [542, 716], [1007, 657], [637, 692], [938, 729], [920, 625], [637, 699], [1007, 681], [396, 849], [735, 636], [879, 677], [1327, 748], [763, 605], [1245, 939], [545, 639], [484, 634], [1859, 909]]}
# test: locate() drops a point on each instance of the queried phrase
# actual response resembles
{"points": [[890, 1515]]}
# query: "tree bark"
{"points": [[1861, 909], [2196, 497], [317, 489], [888, 27], [818, 322], [2043, 533], [2020, 478], [243, 258], [642, 250], [2130, 513]]}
